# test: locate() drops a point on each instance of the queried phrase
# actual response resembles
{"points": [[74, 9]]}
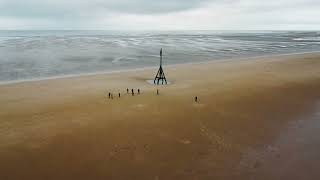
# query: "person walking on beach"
{"points": [[138, 91], [109, 95], [119, 95], [132, 92], [196, 99]]}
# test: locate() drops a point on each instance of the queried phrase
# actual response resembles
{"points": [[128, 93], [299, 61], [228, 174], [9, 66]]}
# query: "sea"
{"points": [[34, 55]]}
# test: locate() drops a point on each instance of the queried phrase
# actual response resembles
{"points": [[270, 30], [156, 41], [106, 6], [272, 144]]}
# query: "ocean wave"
{"points": [[311, 39], [121, 59]]}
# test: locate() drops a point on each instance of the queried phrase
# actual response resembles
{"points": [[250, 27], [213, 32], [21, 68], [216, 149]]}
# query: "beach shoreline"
{"points": [[68, 128], [155, 67]]}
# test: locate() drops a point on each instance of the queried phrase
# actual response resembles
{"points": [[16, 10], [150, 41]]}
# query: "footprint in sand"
{"points": [[198, 105], [139, 106], [184, 141]]}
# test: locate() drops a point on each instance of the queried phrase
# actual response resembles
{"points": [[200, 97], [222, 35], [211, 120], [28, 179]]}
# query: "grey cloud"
{"points": [[276, 5], [152, 6], [72, 8], [32, 8], [158, 14]]}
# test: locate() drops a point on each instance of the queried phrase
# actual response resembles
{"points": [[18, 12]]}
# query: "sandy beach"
{"points": [[67, 128]]}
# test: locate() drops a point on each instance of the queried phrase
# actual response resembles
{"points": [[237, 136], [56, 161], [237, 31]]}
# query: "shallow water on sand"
{"points": [[151, 81], [294, 155], [29, 55]]}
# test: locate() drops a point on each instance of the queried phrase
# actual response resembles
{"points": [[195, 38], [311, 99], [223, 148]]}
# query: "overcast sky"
{"points": [[161, 14]]}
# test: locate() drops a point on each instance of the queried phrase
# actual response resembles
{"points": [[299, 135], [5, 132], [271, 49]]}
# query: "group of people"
{"points": [[132, 91], [138, 91], [110, 96]]}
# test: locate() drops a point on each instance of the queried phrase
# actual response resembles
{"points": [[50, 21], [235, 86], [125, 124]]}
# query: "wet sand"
{"points": [[68, 129], [293, 155]]}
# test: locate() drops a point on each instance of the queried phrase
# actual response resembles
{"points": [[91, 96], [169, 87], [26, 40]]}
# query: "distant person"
{"points": [[138, 91], [127, 91], [119, 95], [132, 92], [109, 95], [196, 99]]}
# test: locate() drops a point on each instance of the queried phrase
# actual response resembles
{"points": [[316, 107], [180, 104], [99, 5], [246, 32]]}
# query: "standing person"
{"points": [[138, 91], [109, 95], [132, 92], [127, 91], [119, 95], [196, 99]]}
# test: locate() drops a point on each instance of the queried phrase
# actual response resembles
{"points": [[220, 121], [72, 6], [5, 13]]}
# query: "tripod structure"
{"points": [[160, 74]]}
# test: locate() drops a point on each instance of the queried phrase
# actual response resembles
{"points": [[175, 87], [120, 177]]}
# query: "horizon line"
{"points": [[158, 30]]}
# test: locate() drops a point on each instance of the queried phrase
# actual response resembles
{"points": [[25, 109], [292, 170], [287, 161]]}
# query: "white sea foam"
{"points": [[307, 39]]}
